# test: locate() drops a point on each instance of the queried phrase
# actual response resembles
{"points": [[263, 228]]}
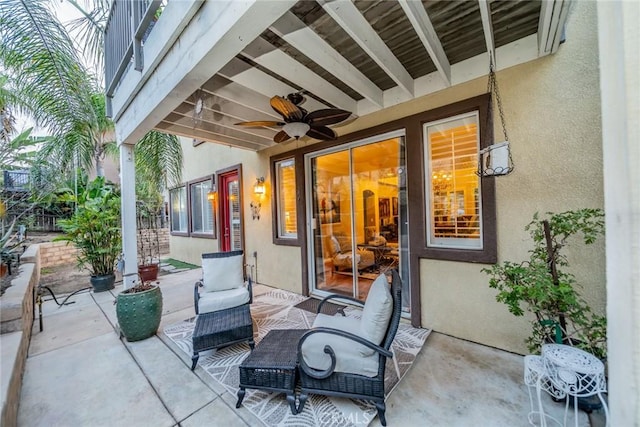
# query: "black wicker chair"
{"points": [[351, 385], [226, 298]]}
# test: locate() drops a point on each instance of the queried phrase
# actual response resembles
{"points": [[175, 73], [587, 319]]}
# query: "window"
{"points": [[202, 219], [286, 193], [192, 212], [454, 205], [178, 201]]}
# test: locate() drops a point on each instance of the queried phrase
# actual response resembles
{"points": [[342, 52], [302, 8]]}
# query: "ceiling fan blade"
{"points": [[326, 116], [322, 133], [290, 111], [281, 136], [259, 123]]}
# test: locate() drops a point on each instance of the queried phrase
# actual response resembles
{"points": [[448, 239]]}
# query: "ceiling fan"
{"points": [[298, 122]]}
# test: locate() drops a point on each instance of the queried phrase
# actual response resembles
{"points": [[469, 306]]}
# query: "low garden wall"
{"points": [[53, 254], [16, 320]]}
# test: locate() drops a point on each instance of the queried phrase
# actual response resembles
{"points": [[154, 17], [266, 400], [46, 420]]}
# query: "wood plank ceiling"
{"points": [[360, 56]]}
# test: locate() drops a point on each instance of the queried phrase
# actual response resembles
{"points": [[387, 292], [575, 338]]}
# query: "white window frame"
{"points": [[205, 206], [475, 243], [183, 209]]}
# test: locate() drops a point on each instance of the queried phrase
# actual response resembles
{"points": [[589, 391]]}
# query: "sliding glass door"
{"points": [[357, 215]]}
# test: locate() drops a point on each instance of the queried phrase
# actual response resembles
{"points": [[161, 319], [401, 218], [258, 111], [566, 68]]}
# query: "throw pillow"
{"points": [[221, 274], [377, 310]]}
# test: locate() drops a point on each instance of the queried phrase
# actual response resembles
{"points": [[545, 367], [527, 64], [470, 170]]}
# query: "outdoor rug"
{"points": [[275, 309]]}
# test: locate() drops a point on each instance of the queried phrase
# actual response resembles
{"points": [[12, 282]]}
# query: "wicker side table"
{"points": [[221, 328], [273, 365]]}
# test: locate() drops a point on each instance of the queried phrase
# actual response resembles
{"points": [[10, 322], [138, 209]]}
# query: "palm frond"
{"points": [[89, 29], [39, 55], [159, 159]]}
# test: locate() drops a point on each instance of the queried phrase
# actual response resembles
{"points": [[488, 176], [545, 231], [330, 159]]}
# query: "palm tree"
{"points": [[60, 94]]}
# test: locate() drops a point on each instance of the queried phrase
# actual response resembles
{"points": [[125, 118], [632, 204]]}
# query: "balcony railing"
{"points": [[16, 181], [127, 27]]}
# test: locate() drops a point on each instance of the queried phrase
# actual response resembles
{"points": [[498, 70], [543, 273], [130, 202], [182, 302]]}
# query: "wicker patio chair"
{"points": [[223, 284], [346, 356]]}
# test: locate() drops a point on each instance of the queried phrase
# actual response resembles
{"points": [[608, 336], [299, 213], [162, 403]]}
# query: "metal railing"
{"points": [[128, 25], [16, 180]]}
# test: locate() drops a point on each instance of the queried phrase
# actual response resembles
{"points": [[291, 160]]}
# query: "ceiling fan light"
{"points": [[296, 129]]}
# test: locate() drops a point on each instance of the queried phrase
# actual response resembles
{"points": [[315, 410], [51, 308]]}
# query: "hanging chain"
{"points": [[492, 87], [486, 153]]}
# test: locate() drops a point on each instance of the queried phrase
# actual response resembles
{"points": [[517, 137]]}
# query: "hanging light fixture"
{"points": [[258, 187], [495, 160], [296, 129]]}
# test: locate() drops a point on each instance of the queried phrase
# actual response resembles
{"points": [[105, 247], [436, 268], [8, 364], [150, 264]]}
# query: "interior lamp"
{"points": [[258, 187], [296, 129]]}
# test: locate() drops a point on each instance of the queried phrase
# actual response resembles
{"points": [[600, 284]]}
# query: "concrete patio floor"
{"points": [[79, 373]]}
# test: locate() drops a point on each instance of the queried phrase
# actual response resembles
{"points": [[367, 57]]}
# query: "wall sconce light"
{"points": [[211, 196], [258, 187]]}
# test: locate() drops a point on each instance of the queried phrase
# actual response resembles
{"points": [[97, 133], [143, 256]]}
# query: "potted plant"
{"points": [[95, 231], [147, 211], [138, 310], [541, 286]]}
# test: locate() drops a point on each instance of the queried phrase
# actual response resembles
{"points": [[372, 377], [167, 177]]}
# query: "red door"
{"points": [[230, 211]]}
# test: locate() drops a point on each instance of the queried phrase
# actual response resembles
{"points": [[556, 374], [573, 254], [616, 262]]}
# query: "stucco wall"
{"points": [[274, 265], [552, 108]]}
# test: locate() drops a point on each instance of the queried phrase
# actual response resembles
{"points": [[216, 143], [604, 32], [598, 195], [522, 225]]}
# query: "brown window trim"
{"points": [[489, 252], [187, 185], [287, 241], [412, 126]]}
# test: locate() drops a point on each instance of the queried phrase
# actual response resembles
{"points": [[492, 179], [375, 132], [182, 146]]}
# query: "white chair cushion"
{"points": [[349, 354], [221, 274], [377, 311], [215, 301]]}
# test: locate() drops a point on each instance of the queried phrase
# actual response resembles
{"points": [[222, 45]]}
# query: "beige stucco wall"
{"points": [[274, 265], [552, 109]]}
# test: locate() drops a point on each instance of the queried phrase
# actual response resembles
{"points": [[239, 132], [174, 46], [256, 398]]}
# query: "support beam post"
{"points": [[128, 215]]}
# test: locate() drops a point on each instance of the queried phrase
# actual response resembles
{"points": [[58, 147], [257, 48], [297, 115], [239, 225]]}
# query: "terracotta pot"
{"points": [[148, 272]]}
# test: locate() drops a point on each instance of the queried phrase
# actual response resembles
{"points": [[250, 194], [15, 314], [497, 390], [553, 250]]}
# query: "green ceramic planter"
{"points": [[102, 283], [139, 313]]}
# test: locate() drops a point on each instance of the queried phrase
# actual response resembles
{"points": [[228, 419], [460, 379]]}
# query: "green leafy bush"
{"points": [[95, 228], [539, 285]]}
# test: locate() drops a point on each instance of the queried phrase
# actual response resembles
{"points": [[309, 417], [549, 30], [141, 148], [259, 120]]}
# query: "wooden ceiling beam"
{"points": [[258, 81], [213, 115], [423, 27], [347, 15], [487, 26], [241, 95], [189, 132], [297, 34], [221, 130], [553, 16], [270, 57]]}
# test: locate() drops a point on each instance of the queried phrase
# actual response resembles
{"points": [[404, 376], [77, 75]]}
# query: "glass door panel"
{"points": [[358, 216]]}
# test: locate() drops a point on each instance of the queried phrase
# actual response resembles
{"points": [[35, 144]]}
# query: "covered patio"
{"points": [[208, 65], [80, 373]]}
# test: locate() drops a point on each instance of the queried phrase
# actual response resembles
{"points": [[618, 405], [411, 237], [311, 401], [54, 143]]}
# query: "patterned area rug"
{"points": [[274, 309]]}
